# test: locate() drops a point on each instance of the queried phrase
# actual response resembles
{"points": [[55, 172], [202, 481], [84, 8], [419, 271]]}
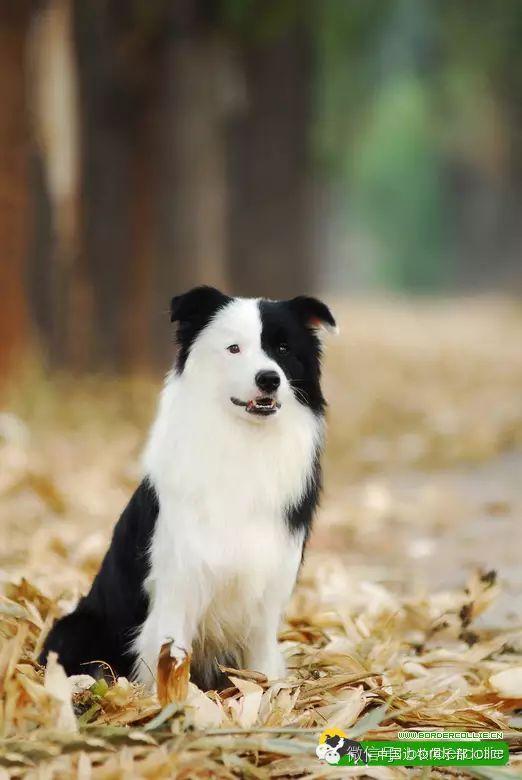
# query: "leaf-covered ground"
{"points": [[408, 610]]}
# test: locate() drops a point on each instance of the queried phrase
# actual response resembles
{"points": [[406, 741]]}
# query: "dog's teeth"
{"points": [[261, 404]]}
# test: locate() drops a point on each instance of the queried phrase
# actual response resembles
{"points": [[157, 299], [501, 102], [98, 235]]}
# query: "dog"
{"points": [[206, 554]]}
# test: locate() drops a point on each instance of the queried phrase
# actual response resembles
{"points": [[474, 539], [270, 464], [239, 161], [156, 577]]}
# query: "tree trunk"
{"points": [[118, 72], [271, 215], [191, 225], [56, 288], [153, 171], [14, 230]]}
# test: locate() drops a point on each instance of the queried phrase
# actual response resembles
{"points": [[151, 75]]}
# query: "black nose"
{"points": [[268, 381]]}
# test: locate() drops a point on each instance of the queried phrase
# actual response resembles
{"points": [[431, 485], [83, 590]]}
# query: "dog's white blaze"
{"points": [[223, 562]]}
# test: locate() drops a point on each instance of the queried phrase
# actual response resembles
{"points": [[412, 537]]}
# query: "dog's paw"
{"points": [[272, 665], [278, 668]]}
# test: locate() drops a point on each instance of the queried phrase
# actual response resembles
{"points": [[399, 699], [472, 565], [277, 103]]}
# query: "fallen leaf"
{"points": [[57, 684], [508, 683], [81, 682], [205, 712], [121, 693], [244, 674], [172, 678], [246, 709]]}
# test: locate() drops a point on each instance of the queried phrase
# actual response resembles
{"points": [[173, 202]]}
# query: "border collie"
{"points": [[206, 554]]}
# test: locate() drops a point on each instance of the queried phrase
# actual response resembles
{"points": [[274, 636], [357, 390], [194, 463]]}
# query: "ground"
{"points": [[408, 610]]}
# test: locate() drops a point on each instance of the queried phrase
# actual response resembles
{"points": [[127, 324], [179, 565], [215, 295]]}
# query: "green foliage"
{"points": [[396, 186], [404, 92], [375, 133], [344, 35]]}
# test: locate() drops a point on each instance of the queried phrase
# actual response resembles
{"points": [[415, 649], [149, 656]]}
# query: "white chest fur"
{"points": [[223, 561]]}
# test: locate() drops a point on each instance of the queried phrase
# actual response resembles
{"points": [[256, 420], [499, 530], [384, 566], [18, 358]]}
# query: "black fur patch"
{"points": [[206, 674], [300, 516], [105, 621], [193, 311], [288, 337]]}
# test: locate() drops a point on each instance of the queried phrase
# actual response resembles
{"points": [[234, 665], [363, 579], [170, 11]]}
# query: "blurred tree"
{"points": [[118, 50], [185, 141], [195, 168], [345, 38], [55, 284], [190, 202], [14, 194], [466, 63], [271, 212], [397, 189], [153, 168], [483, 54], [386, 155]]}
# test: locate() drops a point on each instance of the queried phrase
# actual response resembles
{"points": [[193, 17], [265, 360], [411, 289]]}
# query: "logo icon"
{"points": [[334, 744]]}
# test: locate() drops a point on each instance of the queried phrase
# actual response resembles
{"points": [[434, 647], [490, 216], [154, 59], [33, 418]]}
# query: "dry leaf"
{"points": [[205, 712], [245, 674], [59, 687], [245, 710], [172, 678], [508, 683], [344, 709], [81, 682], [121, 693], [360, 631]]}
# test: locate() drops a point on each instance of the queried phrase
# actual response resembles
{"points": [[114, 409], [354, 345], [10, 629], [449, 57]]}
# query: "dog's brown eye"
{"points": [[282, 348], [234, 349]]}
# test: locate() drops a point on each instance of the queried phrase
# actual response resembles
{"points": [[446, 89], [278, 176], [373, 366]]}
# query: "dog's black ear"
{"points": [[314, 313], [198, 302]]}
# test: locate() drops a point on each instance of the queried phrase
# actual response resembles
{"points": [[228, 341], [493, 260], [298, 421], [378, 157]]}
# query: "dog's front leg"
{"points": [[173, 618], [177, 620], [263, 653]]}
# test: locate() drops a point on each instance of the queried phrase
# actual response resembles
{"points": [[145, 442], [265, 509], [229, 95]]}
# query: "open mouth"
{"points": [[263, 406]]}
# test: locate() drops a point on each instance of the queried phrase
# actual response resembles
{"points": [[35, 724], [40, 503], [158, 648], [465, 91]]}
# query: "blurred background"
{"points": [[267, 146], [367, 152]]}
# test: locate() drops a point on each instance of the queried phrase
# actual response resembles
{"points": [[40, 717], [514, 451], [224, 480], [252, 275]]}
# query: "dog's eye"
{"points": [[282, 348], [234, 349]]}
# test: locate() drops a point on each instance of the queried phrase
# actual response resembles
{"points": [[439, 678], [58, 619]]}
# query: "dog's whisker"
{"points": [[298, 391]]}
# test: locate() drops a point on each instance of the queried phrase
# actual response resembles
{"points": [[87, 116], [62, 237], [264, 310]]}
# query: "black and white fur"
{"points": [[207, 551]]}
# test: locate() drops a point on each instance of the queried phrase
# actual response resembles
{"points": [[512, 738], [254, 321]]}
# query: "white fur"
{"points": [[223, 562]]}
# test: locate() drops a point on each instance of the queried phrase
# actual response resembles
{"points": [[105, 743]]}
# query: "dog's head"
{"points": [[256, 357]]}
